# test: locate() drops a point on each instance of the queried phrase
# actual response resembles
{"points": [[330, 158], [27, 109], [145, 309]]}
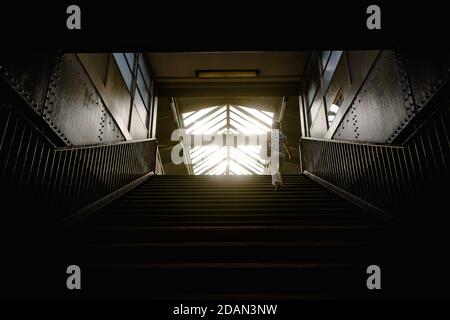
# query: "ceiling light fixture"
{"points": [[227, 73]]}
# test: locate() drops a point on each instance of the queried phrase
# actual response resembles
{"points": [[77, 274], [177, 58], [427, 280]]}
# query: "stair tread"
{"points": [[180, 234]]}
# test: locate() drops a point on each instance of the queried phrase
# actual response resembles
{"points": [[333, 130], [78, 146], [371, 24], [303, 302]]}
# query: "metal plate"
{"points": [[382, 107], [75, 109], [29, 75], [427, 71]]}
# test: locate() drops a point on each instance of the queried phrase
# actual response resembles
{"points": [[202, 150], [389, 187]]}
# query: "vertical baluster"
{"points": [[27, 156], [387, 176], [86, 184], [132, 162], [128, 165], [339, 166], [65, 179], [94, 176], [101, 177], [379, 173], [434, 173], [426, 162], [9, 146], [363, 183], [60, 180], [97, 179], [345, 167], [121, 166], [400, 172], [120, 171], [348, 167], [415, 171], [326, 171], [107, 169], [354, 163], [71, 183], [81, 179], [333, 176], [38, 159], [328, 162], [393, 175], [46, 168], [115, 168], [67, 186], [337, 173], [138, 160], [5, 130], [16, 156], [418, 163], [367, 159], [406, 159], [110, 170], [54, 179], [446, 142], [440, 148]]}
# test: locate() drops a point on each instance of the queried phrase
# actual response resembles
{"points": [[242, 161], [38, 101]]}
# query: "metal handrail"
{"points": [[69, 178], [386, 176], [353, 142]]}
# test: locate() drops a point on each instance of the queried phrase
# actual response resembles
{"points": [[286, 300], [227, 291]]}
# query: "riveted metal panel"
{"points": [[75, 109], [28, 75], [347, 127], [428, 71], [110, 131], [382, 107]]}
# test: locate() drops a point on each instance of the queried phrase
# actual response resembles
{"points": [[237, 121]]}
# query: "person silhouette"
{"points": [[278, 151]]}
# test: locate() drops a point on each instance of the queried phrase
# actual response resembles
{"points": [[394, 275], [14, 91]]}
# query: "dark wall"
{"points": [[328, 73], [381, 106], [291, 129], [383, 92], [59, 90], [81, 97], [76, 108]]}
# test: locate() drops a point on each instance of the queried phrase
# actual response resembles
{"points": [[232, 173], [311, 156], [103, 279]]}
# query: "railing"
{"points": [[159, 168], [386, 176], [67, 179]]}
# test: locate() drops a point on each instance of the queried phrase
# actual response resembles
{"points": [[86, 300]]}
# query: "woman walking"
{"points": [[278, 151]]}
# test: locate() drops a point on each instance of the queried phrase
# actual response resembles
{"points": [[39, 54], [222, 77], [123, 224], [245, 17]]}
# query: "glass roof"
{"points": [[239, 159]]}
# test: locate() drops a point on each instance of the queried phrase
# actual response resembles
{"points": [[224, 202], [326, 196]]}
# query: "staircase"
{"points": [[177, 237]]}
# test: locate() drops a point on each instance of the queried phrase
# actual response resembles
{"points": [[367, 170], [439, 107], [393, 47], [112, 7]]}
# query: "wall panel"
{"points": [[382, 107], [137, 128]]}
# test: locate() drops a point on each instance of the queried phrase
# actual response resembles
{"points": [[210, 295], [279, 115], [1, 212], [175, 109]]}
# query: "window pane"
{"points": [[313, 85], [335, 106], [124, 69], [143, 69], [331, 67], [324, 56], [130, 59], [140, 107], [142, 89]]}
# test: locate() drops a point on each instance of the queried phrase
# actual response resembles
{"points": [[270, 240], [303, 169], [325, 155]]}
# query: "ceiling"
{"points": [[280, 73], [187, 104], [280, 76]]}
